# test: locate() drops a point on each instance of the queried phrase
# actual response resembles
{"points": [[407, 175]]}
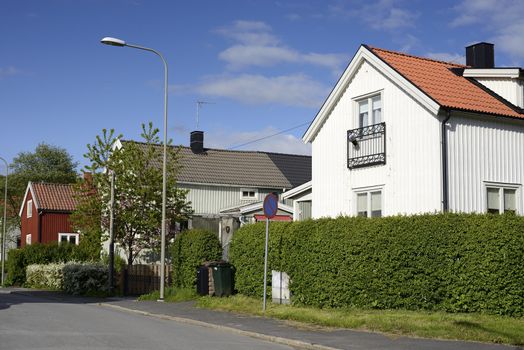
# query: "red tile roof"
{"points": [[54, 196], [449, 89]]}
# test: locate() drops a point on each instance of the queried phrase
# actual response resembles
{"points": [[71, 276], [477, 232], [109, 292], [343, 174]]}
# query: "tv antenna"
{"points": [[199, 105]]}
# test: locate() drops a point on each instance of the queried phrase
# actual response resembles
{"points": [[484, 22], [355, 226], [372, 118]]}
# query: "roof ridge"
{"points": [[51, 183], [223, 150], [417, 57]]}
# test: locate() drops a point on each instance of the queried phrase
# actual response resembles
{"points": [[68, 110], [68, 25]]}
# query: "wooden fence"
{"points": [[142, 279]]}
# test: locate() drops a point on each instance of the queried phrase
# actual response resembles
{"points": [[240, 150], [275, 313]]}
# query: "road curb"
{"points": [[274, 339]]}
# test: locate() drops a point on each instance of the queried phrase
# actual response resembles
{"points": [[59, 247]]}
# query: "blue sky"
{"points": [[267, 66]]}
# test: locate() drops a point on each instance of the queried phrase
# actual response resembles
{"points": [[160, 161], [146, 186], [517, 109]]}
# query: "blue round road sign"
{"points": [[270, 206]]}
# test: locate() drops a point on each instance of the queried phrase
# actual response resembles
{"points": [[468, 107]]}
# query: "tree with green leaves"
{"points": [[138, 189], [46, 164]]}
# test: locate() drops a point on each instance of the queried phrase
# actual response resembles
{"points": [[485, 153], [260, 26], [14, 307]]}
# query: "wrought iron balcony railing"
{"points": [[367, 146]]}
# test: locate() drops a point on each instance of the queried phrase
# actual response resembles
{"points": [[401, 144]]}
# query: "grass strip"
{"points": [[425, 324], [171, 295]]}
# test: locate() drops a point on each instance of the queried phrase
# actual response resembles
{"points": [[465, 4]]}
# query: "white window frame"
{"points": [[68, 235], [369, 97], [368, 191], [29, 208], [28, 239], [248, 198], [501, 187]]}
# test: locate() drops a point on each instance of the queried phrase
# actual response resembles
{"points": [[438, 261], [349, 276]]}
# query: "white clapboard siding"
{"points": [[412, 175], [481, 150], [209, 200], [510, 89]]}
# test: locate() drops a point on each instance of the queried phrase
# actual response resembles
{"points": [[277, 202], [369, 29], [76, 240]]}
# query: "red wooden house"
{"points": [[45, 212]]}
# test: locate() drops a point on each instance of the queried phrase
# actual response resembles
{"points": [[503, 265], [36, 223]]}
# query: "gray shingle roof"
{"points": [[243, 168]]}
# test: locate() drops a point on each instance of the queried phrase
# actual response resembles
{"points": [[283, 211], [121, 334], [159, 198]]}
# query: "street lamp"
{"points": [[5, 218], [121, 43]]}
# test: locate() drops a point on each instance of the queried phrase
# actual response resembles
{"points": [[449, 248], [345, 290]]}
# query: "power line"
{"points": [[268, 136]]}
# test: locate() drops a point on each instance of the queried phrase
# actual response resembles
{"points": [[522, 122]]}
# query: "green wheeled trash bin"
{"points": [[223, 278]]}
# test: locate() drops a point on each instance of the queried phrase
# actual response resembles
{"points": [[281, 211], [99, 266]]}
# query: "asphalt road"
{"points": [[30, 322]]}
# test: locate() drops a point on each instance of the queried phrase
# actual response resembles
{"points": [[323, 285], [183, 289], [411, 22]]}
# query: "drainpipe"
{"points": [[445, 185]]}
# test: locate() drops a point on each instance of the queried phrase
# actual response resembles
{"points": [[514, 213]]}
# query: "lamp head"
{"points": [[353, 139], [113, 41]]}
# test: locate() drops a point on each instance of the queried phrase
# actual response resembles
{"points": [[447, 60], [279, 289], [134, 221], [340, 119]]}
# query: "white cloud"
{"points": [[447, 57], [8, 71], [293, 16], [257, 46], [249, 33], [239, 56], [385, 15], [292, 90], [397, 18], [283, 143], [502, 18]]}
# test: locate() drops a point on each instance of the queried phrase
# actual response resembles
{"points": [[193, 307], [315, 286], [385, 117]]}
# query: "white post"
{"points": [[4, 220], [265, 265]]}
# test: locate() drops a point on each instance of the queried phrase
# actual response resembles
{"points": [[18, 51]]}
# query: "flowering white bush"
{"points": [[90, 279], [72, 277], [49, 276]]}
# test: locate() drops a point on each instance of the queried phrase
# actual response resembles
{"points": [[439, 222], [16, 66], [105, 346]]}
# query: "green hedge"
{"points": [[190, 249], [450, 262], [86, 279], [19, 259]]}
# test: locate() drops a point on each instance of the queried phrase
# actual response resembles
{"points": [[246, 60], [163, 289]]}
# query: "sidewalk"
{"points": [[304, 337], [285, 333]]}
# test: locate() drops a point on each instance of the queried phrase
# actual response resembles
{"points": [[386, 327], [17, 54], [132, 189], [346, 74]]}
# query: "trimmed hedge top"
{"points": [[450, 262]]}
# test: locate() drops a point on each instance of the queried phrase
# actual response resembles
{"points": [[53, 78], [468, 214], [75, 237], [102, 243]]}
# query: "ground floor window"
{"points": [[28, 239], [72, 238], [501, 199], [369, 203]]}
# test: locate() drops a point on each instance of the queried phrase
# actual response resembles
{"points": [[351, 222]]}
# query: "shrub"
{"points": [[450, 262], [48, 276], [86, 279], [19, 259], [190, 249]]}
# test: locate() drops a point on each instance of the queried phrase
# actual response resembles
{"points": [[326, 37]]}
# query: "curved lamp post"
{"points": [[121, 43], [5, 218]]}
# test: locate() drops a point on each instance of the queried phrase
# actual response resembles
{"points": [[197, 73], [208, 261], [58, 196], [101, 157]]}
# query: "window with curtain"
{"points": [[370, 111], [501, 200], [369, 204]]}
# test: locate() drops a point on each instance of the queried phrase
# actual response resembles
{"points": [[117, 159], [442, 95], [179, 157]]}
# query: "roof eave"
{"points": [[297, 190], [33, 198], [365, 54]]}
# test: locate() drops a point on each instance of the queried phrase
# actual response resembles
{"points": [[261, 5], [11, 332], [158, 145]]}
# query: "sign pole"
{"points": [[270, 211], [265, 265]]}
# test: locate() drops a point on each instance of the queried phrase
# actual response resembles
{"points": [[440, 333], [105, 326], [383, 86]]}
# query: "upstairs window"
{"points": [[501, 199], [248, 194], [370, 111], [369, 204], [29, 208]]}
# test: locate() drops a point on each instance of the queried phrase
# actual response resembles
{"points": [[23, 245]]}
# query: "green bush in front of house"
{"points": [[450, 262], [190, 249], [46, 276], [72, 277], [19, 259], [86, 279]]}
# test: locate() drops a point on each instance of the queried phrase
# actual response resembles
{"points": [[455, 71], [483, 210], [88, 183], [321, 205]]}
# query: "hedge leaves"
{"points": [[450, 262]]}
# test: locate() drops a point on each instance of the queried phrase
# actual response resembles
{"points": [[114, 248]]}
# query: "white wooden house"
{"points": [[226, 187], [400, 134]]}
